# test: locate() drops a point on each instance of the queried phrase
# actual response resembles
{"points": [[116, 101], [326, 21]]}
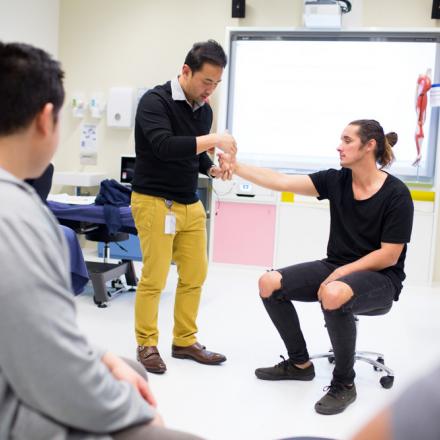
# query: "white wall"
{"points": [[30, 21], [140, 43]]}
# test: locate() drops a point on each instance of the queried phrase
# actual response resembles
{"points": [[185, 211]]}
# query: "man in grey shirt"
{"points": [[415, 414], [53, 384]]}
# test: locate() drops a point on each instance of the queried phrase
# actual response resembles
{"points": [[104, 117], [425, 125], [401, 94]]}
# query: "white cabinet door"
{"points": [[302, 233], [418, 257]]}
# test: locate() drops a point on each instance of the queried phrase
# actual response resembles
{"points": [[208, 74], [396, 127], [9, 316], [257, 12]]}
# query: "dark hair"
{"points": [[205, 52], [371, 129], [29, 79]]}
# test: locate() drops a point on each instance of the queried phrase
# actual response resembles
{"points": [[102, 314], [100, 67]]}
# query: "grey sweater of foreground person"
{"points": [[53, 384]]}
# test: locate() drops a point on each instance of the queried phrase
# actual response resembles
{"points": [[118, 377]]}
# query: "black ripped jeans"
{"points": [[372, 291]]}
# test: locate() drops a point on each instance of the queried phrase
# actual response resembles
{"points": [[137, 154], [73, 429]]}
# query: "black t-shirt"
{"points": [[358, 227]]}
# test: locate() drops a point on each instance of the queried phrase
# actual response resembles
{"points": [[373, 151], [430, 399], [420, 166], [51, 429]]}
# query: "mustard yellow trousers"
{"points": [[186, 248]]}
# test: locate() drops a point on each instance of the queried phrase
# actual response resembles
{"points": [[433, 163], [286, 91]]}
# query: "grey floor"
{"points": [[228, 402]]}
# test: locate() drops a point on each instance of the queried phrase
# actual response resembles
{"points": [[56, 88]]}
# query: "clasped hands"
{"points": [[227, 157], [124, 372], [227, 163]]}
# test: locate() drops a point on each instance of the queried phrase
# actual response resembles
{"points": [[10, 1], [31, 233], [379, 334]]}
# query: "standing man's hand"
{"points": [[224, 142], [227, 144], [216, 172], [122, 371]]}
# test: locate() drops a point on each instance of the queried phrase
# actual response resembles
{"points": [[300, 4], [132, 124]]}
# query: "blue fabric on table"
{"points": [[113, 195], [78, 268], [91, 214]]}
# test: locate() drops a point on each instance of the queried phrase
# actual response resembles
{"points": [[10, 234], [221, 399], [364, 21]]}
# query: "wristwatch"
{"points": [[209, 171]]}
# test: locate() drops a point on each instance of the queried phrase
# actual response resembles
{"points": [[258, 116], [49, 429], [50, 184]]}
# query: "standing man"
{"points": [[371, 215], [53, 383], [172, 128]]}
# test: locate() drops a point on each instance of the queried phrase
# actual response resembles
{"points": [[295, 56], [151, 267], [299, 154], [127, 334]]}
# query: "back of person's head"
{"points": [[369, 129], [29, 79], [205, 52]]}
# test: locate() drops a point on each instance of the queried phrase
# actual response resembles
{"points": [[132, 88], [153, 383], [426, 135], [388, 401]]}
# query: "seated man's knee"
{"points": [[334, 295], [268, 283]]}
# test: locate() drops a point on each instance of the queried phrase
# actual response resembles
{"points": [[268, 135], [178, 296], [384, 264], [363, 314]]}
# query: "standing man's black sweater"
{"points": [[165, 135]]}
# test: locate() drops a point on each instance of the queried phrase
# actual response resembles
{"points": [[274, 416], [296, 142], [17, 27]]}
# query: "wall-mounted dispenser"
{"points": [[120, 107], [97, 105], [78, 105]]}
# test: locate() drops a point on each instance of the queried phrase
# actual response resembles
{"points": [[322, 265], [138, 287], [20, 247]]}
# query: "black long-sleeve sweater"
{"points": [[165, 137]]}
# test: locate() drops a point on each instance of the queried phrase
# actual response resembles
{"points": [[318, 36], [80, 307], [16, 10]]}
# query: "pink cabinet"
{"points": [[244, 233]]}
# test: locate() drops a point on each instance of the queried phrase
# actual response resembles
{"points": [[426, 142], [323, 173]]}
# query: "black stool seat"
{"points": [[103, 235], [377, 312]]}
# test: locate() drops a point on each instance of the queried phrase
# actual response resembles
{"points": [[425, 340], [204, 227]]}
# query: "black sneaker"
{"points": [[338, 397], [286, 370]]}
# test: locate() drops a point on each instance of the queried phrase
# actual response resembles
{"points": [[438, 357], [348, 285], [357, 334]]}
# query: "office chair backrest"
{"points": [[43, 183]]}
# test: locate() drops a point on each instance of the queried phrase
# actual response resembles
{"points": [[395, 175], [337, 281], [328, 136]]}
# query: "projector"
{"points": [[322, 14]]}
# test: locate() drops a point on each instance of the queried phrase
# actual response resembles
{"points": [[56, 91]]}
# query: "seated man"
{"points": [[371, 220], [53, 384]]}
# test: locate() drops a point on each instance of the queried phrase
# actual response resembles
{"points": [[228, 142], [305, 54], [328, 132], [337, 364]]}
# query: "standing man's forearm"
{"points": [[224, 142]]}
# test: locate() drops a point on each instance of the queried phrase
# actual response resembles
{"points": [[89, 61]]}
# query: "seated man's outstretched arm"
{"points": [[297, 183]]}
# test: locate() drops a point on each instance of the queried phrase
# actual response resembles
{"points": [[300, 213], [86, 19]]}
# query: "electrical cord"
{"points": [[217, 200]]}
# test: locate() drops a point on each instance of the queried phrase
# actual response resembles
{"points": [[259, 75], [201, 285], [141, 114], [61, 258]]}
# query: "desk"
{"points": [[78, 179], [91, 214], [99, 272]]}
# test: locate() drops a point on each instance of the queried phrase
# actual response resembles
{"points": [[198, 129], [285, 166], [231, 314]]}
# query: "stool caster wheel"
{"points": [[100, 304], [331, 359], [387, 381], [381, 360], [117, 284]]}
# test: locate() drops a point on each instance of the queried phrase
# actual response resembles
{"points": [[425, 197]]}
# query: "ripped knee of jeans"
{"points": [[277, 296], [332, 299], [271, 287], [342, 309]]}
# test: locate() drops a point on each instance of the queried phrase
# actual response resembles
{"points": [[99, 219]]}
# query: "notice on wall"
{"points": [[88, 145]]}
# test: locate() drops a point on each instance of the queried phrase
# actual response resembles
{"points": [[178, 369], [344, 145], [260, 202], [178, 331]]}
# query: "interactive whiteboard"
{"points": [[290, 94]]}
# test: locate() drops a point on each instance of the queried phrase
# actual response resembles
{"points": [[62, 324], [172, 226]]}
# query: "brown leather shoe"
{"points": [[198, 353], [150, 358]]}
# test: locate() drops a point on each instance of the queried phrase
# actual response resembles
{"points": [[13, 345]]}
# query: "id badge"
{"points": [[170, 223]]}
